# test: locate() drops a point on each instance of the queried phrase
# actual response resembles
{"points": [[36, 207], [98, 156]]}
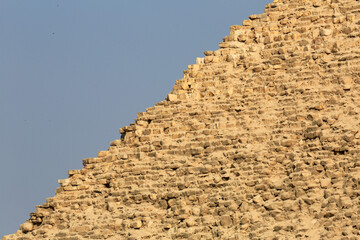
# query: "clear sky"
{"points": [[73, 72]]}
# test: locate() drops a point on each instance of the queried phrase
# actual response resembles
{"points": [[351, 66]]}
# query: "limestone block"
{"points": [[76, 182], [70, 188], [247, 23], [26, 227], [191, 222], [296, 36], [230, 91], [116, 142], [234, 28], [172, 97], [226, 221], [317, 3], [73, 172], [285, 196], [64, 182], [136, 224], [253, 17], [199, 60], [208, 53], [122, 156], [326, 32], [242, 38], [325, 183], [232, 57], [102, 154], [82, 228], [230, 45], [288, 143], [83, 187], [258, 199], [347, 82], [153, 196], [346, 202], [268, 40], [111, 206], [196, 211], [350, 17], [167, 226]]}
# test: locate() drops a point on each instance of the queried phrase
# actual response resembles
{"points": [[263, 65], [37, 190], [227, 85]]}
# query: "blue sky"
{"points": [[73, 72]]}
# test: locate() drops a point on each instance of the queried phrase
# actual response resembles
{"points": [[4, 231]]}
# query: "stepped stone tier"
{"points": [[259, 140]]}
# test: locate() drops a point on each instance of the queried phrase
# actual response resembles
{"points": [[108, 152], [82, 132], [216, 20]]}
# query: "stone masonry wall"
{"points": [[258, 140]]}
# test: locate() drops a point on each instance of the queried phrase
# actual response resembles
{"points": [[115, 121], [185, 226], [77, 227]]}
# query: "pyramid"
{"points": [[260, 139]]}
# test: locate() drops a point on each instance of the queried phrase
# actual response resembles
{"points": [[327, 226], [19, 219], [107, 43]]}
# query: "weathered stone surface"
{"points": [[259, 140], [26, 227]]}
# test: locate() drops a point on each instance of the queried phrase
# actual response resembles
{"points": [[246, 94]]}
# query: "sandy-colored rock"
{"points": [[326, 32], [172, 97], [26, 227], [258, 140], [325, 183]]}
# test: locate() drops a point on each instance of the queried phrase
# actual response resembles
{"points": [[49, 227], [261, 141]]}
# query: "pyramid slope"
{"points": [[258, 140]]}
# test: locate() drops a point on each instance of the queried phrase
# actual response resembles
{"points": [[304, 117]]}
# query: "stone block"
{"points": [[326, 32], [73, 172], [26, 227], [116, 142], [136, 224], [102, 154], [172, 97], [226, 221], [123, 156], [191, 222], [325, 183]]}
